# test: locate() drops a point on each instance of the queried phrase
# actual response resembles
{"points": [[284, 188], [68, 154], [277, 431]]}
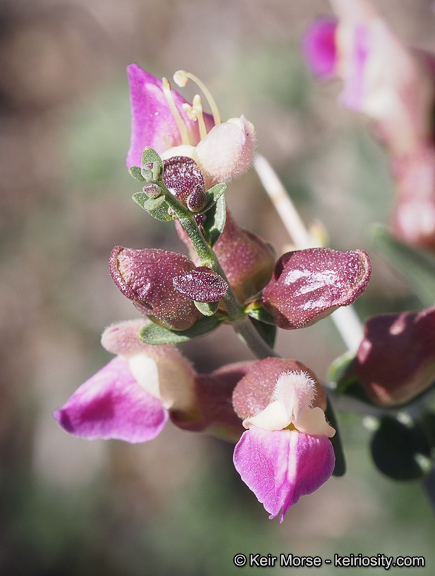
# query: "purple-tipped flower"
{"points": [[246, 259], [147, 277], [285, 452], [163, 120], [308, 285], [396, 359], [130, 398]]}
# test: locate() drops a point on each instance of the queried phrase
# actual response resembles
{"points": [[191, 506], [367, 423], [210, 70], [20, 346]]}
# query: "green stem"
{"points": [[240, 322]]}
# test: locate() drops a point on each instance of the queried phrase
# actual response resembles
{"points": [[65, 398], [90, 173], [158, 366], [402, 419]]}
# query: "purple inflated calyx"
{"points": [[201, 285], [308, 285], [184, 179], [145, 276]]}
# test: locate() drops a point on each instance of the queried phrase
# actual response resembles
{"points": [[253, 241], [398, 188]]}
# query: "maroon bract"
{"points": [[246, 259], [201, 285], [184, 180], [146, 277], [308, 285], [396, 359]]}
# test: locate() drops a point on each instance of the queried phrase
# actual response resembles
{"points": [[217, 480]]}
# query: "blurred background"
{"points": [[175, 505]]}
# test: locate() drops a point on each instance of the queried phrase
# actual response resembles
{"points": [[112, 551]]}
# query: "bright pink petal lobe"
{"points": [[281, 466], [152, 122], [320, 49], [111, 404]]}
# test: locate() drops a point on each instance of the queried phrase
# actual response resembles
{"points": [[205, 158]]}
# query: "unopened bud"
{"points": [[146, 277], [308, 285], [185, 181]]}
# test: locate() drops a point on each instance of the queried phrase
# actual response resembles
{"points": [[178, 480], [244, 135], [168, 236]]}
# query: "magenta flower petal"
{"points": [[281, 466], [153, 123], [319, 47], [112, 404]]}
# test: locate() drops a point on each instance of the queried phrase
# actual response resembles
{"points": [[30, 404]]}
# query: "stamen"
{"points": [[181, 78], [198, 112], [170, 100], [195, 112]]}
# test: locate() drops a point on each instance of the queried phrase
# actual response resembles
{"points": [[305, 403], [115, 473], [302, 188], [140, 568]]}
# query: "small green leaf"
{"points": [[156, 207], [136, 173], [259, 313], [266, 331], [150, 156], [416, 266], [156, 334], [341, 371], [207, 308], [215, 222], [400, 449], [340, 462], [213, 194]]}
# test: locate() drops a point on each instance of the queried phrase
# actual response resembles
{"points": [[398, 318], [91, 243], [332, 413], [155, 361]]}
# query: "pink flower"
{"points": [[308, 285], [163, 120], [413, 220], [382, 78], [286, 452], [130, 398]]}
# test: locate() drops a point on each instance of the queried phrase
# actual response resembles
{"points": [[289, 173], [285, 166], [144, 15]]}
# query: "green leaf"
{"points": [[156, 334], [266, 331], [416, 266], [259, 313], [136, 173], [215, 222], [213, 194], [340, 462], [400, 449], [150, 156], [156, 207], [207, 308], [341, 371]]}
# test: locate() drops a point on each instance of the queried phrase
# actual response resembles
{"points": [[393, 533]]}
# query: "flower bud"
{"points": [[308, 285], [146, 277], [183, 178], [396, 359], [245, 258]]}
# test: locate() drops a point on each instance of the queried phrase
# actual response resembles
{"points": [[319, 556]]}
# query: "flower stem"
{"points": [[345, 318], [236, 315]]}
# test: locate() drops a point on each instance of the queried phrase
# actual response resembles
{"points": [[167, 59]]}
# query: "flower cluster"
{"points": [[272, 408]]}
